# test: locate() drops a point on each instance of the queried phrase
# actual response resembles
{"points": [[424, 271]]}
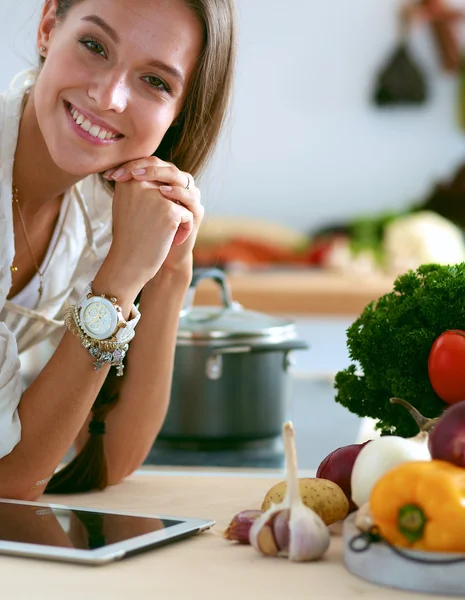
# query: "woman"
{"points": [[98, 153]]}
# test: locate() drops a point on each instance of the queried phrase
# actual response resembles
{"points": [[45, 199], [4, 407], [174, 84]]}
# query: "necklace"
{"points": [[39, 272]]}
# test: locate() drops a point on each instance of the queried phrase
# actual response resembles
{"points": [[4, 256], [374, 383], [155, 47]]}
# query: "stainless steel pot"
{"points": [[230, 380]]}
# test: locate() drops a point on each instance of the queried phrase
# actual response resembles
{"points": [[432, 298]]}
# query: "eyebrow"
{"points": [[103, 25], [158, 64], [173, 71]]}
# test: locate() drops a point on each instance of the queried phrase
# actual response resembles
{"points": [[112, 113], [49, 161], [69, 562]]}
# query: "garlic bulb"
{"points": [[380, 456], [290, 528]]}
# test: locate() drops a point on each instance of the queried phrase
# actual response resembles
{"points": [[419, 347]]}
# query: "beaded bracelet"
{"points": [[103, 351]]}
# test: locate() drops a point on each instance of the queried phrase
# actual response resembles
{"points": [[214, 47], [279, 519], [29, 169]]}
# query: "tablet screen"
{"points": [[72, 528]]}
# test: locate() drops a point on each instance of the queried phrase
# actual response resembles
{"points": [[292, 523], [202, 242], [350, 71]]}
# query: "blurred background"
{"points": [[305, 146], [341, 166]]}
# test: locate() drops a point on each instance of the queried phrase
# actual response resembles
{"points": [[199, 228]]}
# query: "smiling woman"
{"points": [[98, 206]]}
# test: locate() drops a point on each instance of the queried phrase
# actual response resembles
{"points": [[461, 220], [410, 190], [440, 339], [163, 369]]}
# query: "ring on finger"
{"points": [[188, 182]]}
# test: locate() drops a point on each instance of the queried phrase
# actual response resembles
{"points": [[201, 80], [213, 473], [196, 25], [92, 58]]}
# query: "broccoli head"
{"points": [[390, 342]]}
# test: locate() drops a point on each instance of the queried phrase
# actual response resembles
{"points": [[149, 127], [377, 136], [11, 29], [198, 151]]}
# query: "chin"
{"points": [[78, 168]]}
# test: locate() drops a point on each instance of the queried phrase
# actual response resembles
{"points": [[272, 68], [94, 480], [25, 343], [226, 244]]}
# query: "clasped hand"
{"points": [[157, 213]]}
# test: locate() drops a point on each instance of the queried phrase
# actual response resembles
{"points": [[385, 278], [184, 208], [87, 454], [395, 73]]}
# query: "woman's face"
{"points": [[118, 68]]}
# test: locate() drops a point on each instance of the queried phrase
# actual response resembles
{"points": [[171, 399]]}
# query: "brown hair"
{"points": [[188, 144]]}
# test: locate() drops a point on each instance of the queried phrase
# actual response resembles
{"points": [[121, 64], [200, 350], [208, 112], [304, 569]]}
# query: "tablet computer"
{"points": [[86, 535]]}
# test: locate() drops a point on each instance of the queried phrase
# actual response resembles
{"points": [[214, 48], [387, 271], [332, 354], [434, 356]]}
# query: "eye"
{"points": [[157, 83], [93, 46]]}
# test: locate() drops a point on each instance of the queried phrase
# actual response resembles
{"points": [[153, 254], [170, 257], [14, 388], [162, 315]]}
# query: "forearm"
{"points": [[52, 411], [136, 419]]}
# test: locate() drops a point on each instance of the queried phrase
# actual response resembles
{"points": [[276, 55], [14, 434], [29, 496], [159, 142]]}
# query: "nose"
{"points": [[110, 92]]}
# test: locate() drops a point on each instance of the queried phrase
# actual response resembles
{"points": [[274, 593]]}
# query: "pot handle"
{"points": [[214, 364], [220, 278]]}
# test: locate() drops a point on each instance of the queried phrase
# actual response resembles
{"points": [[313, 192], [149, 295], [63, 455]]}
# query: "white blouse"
{"points": [[84, 236]]}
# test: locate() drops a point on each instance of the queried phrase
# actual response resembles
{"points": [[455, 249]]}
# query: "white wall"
{"points": [[305, 146]]}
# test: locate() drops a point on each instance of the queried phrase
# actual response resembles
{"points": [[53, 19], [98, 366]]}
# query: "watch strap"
{"points": [[131, 323]]}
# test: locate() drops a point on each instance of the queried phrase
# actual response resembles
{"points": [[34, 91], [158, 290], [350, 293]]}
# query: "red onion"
{"points": [[337, 467], [447, 439]]}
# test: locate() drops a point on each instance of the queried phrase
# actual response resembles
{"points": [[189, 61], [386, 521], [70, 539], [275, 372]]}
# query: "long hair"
{"points": [[188, 144]]}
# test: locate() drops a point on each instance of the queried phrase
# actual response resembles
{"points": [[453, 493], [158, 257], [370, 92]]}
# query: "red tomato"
{"points": [[446, 366]]}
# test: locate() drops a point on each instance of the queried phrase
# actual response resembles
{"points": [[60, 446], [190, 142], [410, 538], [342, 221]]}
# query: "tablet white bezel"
{"points": [[112, 552]]}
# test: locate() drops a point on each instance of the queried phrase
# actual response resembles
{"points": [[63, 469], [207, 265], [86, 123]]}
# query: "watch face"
{"points": [[98, 318]]}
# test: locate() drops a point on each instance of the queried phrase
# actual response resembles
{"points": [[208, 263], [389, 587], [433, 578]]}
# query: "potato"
{"points": [[321, 495]]}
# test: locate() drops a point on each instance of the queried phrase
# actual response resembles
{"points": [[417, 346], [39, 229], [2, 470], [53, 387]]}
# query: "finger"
{"points": [[188, 198], [134, 164], [109, 173], [126, 168], [168, 175], [185, 227]]}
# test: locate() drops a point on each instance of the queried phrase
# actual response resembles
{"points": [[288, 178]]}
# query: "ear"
{"points": [[48, 22]]}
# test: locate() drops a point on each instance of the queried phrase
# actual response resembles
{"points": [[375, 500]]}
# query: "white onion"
{"points": [[380, 456]]}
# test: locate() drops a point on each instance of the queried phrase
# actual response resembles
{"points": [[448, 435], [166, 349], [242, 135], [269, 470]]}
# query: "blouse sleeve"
{"points": [[11, 390]]}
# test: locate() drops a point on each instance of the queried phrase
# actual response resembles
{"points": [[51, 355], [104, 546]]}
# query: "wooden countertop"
{"points": [[300, 292], [204, 567]]}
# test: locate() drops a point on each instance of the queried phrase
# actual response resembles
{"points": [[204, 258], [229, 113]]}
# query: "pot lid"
{"points": [[204, 322], [229, 320]]}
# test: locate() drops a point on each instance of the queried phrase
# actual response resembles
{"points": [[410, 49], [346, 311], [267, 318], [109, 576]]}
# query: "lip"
{"points": [[94, 119], [85, 134]]}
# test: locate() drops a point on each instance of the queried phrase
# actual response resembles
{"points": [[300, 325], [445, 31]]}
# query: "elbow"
{"points": [[17, 482], [28, 494], [118, 475], [118, 471]]}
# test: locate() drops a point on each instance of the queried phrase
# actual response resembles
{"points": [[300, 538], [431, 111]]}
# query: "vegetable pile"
{"points": [[411, 490], [390, 345]]}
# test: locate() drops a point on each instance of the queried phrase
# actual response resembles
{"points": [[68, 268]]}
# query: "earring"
{"points": [[42, 49]]}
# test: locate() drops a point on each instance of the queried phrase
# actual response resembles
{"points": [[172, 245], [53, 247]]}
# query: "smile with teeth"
{"points": [[87, 125]]}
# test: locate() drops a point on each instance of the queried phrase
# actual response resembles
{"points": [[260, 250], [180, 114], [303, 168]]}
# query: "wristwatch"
{"points": [[101, 318]]}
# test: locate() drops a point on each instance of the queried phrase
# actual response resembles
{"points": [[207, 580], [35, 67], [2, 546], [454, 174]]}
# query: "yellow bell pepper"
{"points": [[421, 506]]}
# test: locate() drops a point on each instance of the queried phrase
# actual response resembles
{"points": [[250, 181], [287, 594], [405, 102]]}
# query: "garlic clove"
{"points": [[265, 521], [281, 530], [266, 541], [239, 527], [309, 536]]}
